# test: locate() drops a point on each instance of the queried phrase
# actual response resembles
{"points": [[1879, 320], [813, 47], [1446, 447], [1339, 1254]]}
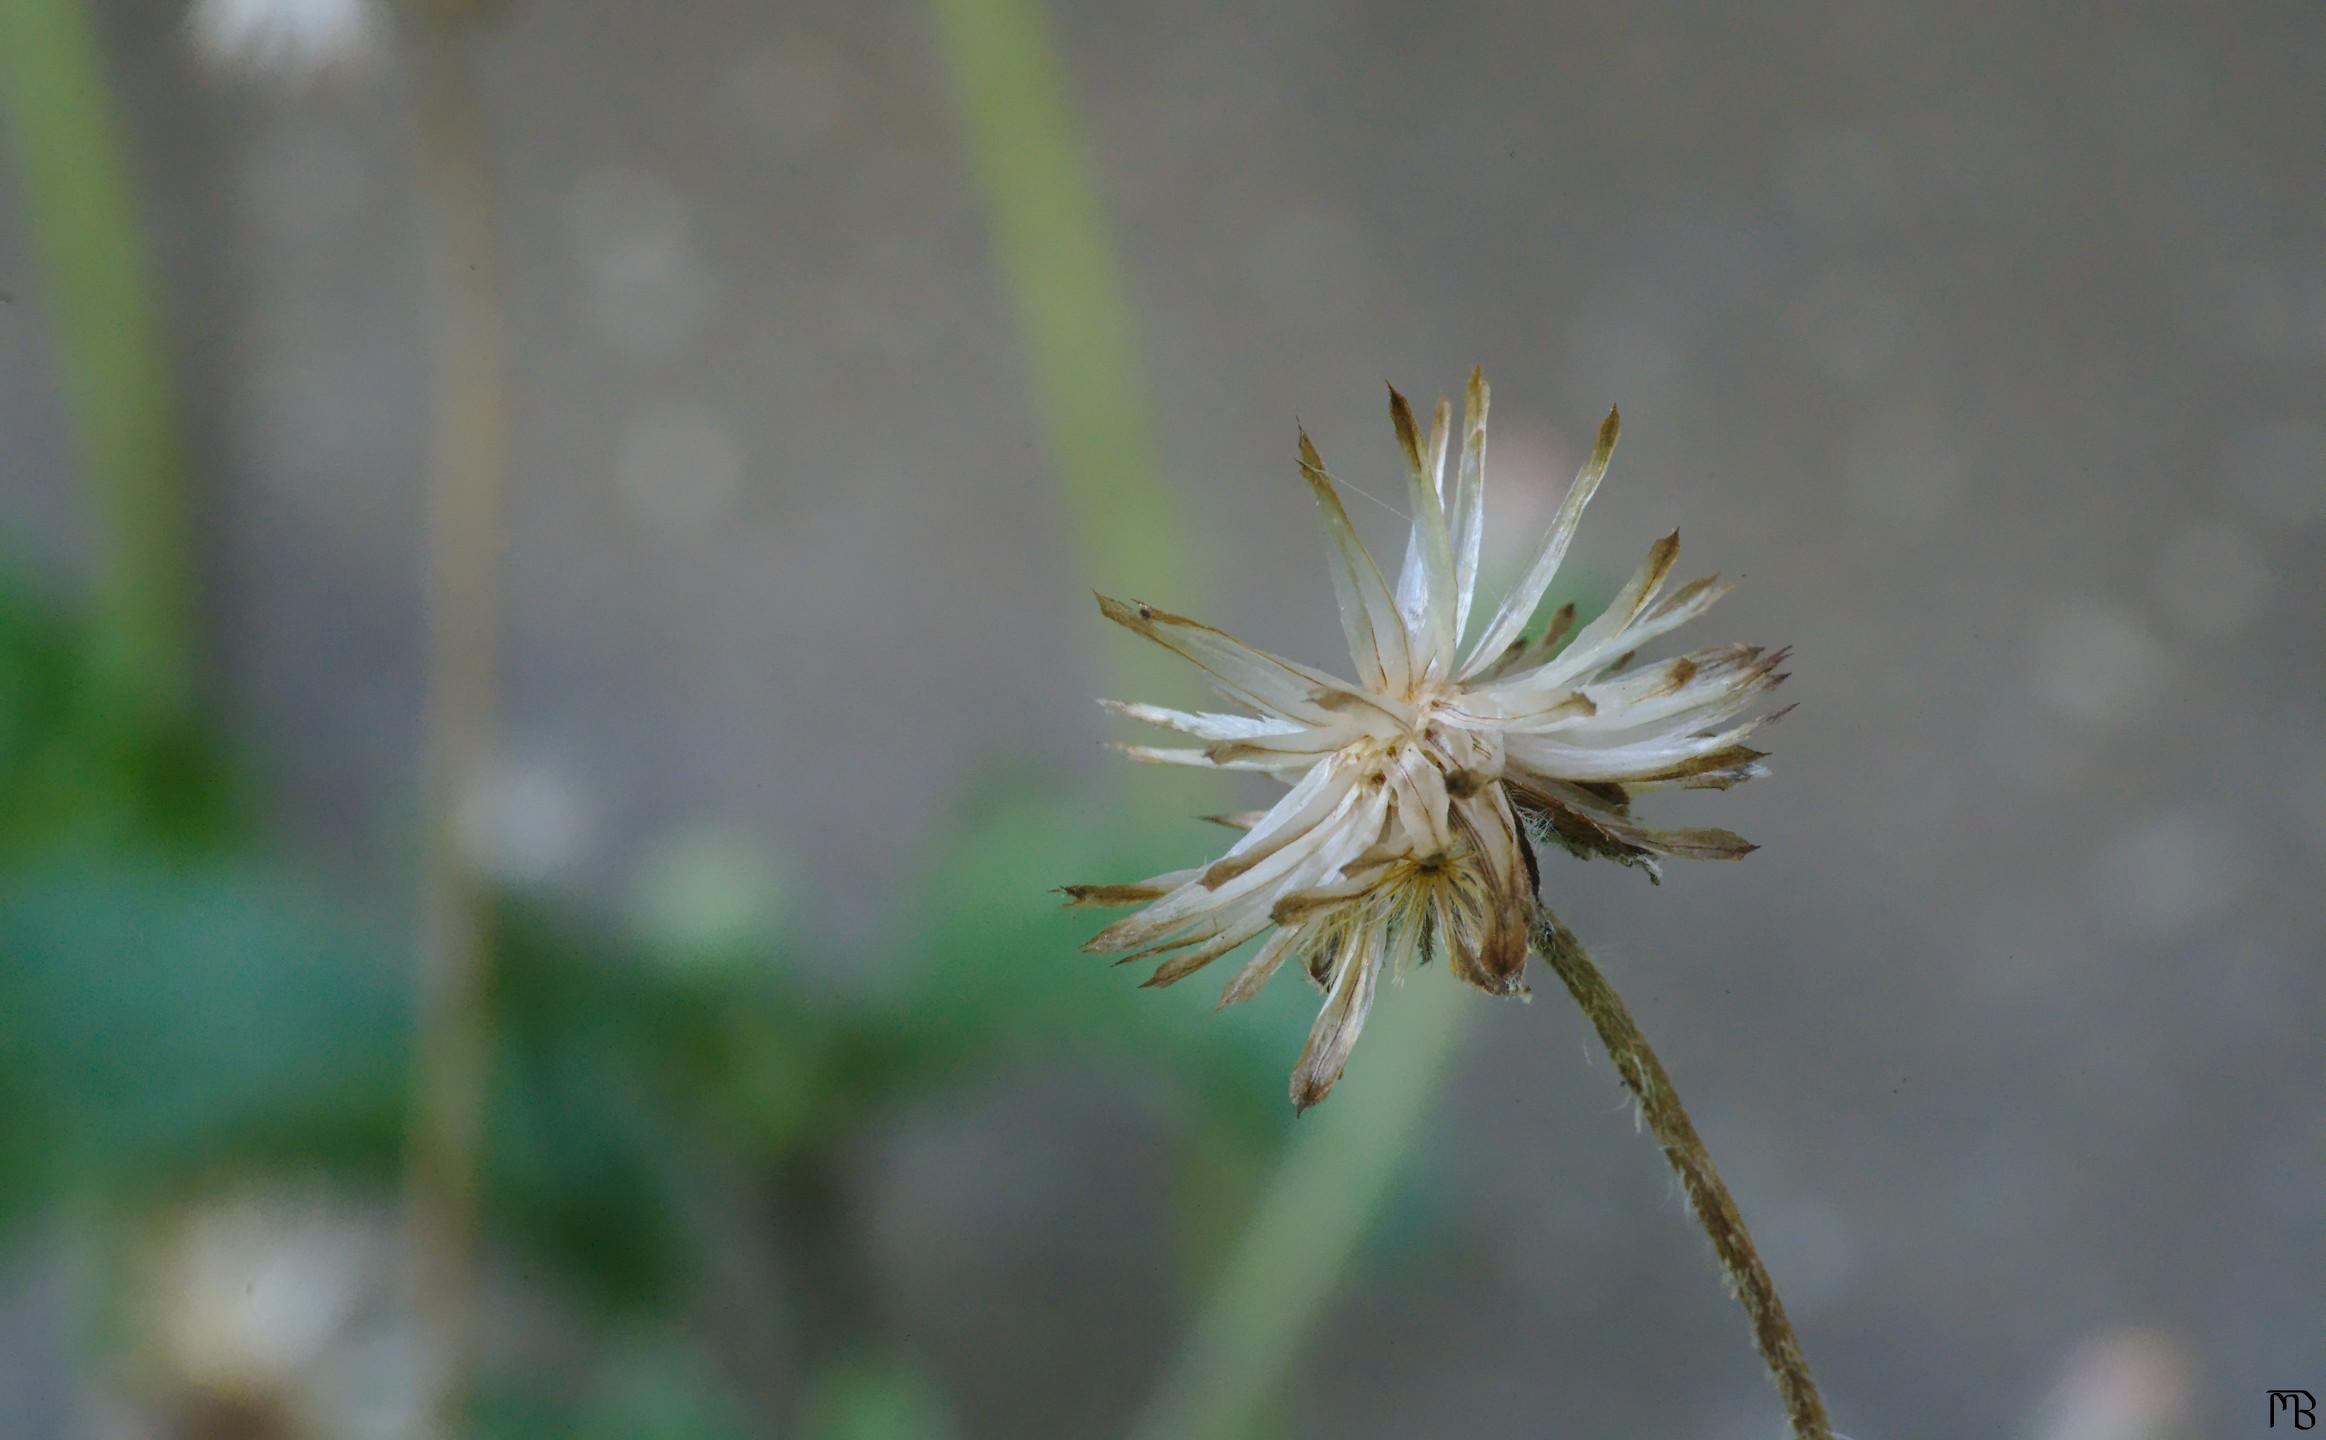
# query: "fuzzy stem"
{"points": [[1643, 1074], [467, 465]]}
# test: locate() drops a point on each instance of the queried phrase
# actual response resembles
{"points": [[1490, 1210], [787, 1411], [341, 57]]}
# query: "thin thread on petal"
{"points": [[1377, 642]]}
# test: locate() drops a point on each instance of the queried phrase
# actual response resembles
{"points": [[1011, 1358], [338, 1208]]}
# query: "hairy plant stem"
{"points": [[1643, 1074], [467, 465]]}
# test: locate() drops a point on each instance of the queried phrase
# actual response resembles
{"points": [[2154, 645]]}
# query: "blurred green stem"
{"points": [[1708, 1198], [1051, 241], [1050, 238], [1309, 1221], [1216, 1174], [112, 354], [468, 462]]}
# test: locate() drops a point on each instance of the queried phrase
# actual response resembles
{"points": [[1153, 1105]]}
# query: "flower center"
{"points": [[1470, 759]]}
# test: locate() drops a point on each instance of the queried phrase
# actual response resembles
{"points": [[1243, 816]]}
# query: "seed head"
{"points": [[1419, 792]]}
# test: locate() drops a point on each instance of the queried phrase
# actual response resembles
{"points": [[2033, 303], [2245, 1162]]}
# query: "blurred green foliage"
{"points": [[162, 1020], [89, 763], [1003, 969], [655, 1390], [178, 1007], [877, 1400]]}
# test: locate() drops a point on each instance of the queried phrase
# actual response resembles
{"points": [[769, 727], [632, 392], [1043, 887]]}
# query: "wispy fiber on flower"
{"points": [[1419, 793]]}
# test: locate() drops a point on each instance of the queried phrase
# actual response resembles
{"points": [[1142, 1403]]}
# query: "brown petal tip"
{"points": [[1307, 1097], [1609, 430], [1108, 896], [1236, 819], [1222, 871], [1408, 435], [1130, 613], [1309, 459]]}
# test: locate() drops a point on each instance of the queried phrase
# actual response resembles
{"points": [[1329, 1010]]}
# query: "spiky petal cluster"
{"points": [[1419, 791]]}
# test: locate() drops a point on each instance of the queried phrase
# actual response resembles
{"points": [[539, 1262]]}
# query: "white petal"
{"points": [[1355, 981], [1421, 803], [1563, 760], [1204, 725], [1520, 603], [1469, 510], [1718, 684], [1412, 589], [1377, 643], [1169, 755], [1517, 707], [1254, 677], [1669, 614], [1195, 898], [1606, 634], [1323, 880], [1178, 967], [1540, 700], [1301, 745], [1721, 777], [1352, 837], [1497, 963], [1256, 972], [1298, 907], [1304, 807], [1425, 589]]}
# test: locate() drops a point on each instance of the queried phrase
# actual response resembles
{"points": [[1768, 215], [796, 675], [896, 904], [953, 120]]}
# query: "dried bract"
{"points": [[1419, 792]]}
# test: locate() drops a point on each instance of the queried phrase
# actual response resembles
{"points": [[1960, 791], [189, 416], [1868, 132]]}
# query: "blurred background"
{"points": [[848, 349]]}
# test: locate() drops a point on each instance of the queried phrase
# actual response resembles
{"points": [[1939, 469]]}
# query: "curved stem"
{"points": [[1643, 1075], [467, 466]]}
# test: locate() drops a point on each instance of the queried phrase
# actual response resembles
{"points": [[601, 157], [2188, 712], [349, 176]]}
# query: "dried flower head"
{"points": [[1420, 792]]}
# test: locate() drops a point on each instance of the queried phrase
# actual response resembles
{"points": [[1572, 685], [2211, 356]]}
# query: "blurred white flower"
{"points": [[1419, 793], [293, 41], [2093, 661], [271, 1312], [2123, 1385]]}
